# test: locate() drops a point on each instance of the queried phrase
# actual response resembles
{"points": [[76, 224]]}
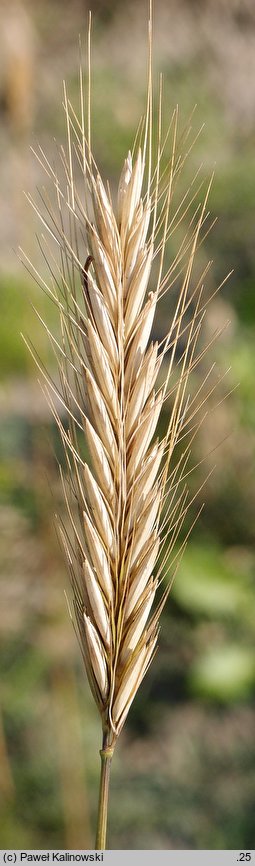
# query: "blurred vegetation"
{"points": [[184, 772]]}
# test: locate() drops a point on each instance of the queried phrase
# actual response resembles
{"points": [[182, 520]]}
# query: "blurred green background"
{"points": [[184, 770]]}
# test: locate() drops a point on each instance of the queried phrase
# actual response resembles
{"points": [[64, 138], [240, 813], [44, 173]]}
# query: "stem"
{"points": [[106, 759]]}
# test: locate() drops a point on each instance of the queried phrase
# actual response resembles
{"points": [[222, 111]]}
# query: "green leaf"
{"points": [[225, 673]]}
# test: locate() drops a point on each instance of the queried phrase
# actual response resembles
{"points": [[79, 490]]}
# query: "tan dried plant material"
{"points": [[107, 273]]}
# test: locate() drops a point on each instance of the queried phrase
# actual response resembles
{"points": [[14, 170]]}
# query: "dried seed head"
{"points": [[109, 388]]}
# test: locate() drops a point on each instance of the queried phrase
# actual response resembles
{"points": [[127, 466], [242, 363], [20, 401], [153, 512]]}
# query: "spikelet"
{"points": [[128, 504]]}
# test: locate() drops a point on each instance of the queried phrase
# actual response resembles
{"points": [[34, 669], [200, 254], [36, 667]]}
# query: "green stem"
{"points": [[106, 759]]}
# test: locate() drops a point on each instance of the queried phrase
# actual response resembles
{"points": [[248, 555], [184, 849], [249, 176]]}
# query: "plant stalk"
{"points": [[106, 754]]}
